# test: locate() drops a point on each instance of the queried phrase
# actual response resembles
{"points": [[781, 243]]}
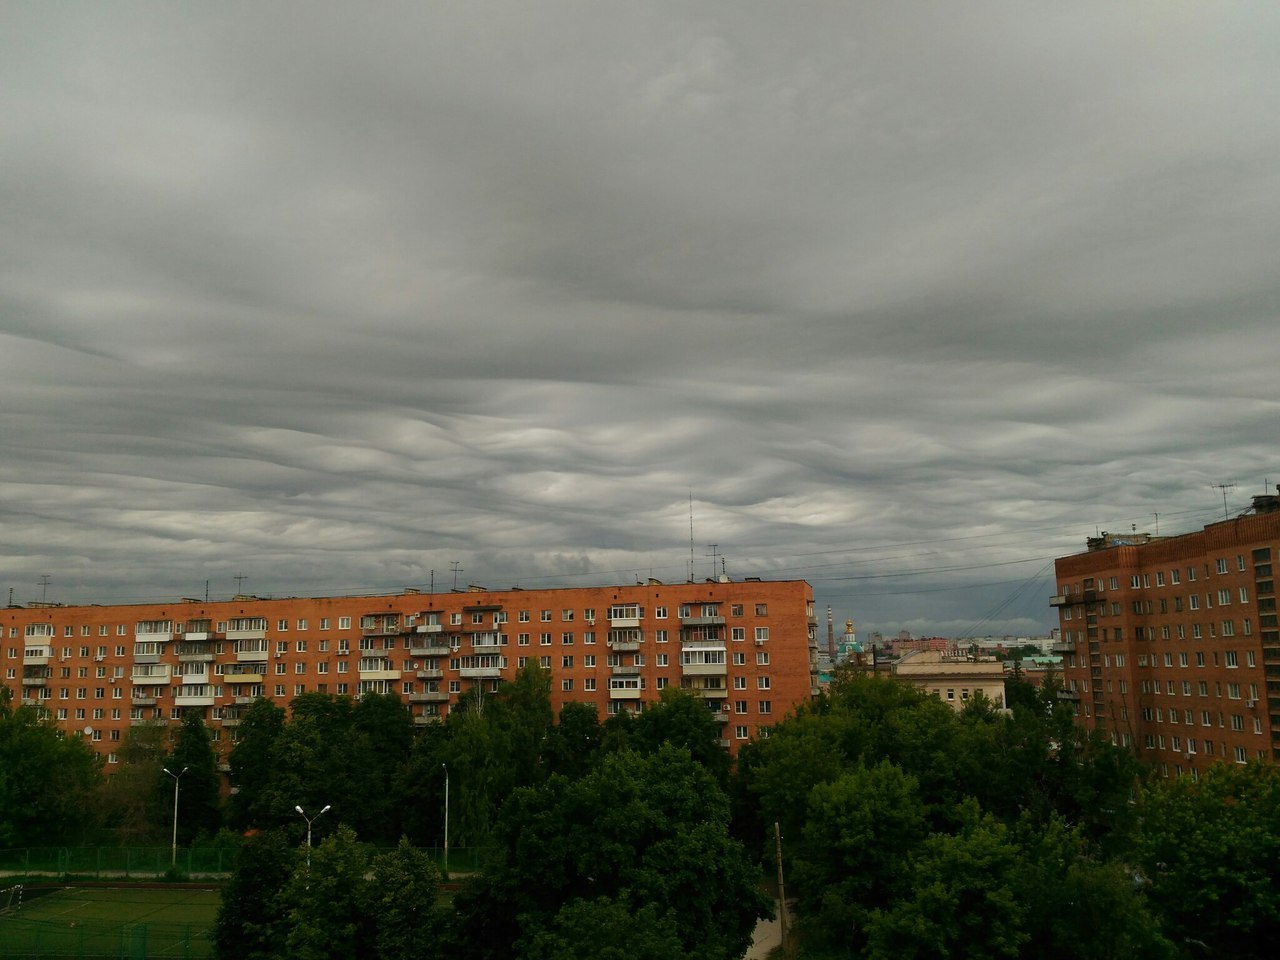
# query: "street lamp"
{"points": [[177, 779], [446, 819], [311, 820]]}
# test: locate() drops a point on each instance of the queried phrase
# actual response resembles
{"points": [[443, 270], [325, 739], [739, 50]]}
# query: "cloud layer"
{"points": [[906, 299]]}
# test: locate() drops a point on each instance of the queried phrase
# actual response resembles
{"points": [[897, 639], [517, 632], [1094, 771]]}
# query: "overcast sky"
{"points": [[904, 299]]}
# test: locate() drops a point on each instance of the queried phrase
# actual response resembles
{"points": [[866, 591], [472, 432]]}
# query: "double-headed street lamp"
{"points": [[311, 820], [177, 778]]}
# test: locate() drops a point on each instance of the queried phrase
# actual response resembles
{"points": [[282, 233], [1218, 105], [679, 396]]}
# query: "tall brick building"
{"points": [[747, 648], [1171, 644]]}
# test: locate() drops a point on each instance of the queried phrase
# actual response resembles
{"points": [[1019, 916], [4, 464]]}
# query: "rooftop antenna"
{"points": [[1224, 487], [1157, 515], [456, 566], [713, 555], [239, 578], [44, 587], [691, 534]]}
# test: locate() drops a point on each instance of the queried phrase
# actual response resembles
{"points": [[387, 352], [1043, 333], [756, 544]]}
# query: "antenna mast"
{"points": [[44, 587], [1224, 487], [691, 534]]}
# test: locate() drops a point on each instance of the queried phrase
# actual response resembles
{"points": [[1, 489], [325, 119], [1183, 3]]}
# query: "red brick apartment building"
{"points": [[1171, 645], [747, 648]]}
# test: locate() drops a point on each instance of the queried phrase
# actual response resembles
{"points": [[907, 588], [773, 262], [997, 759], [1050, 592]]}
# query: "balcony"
{"points": [[1063, 646], [627, 671], [481, 673], [232, 675], [1067, 694], [430, 696], [425, 719], [720, 716], [232, 721], [429, 628], [702, 621], [429, 648], [624, 692], [695, 666], [250, 651], [195, 695], [1073, 599], [153, 674], [625, 644], [189, 652], [142, 700], [430, 674], [485, 642], [378, 670], [36, 679], [36, 656], [625, 618], [224, 767]]}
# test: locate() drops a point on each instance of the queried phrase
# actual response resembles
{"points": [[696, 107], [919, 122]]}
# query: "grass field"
{"points": [[135, 922]]}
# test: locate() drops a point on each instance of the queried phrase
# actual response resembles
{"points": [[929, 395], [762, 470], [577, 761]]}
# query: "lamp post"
{"points": [[177, 780], [445, 767], [311, 820]]}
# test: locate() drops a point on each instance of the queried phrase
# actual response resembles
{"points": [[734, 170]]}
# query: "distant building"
{"points": [[1170, 644], [953, 677], [748, 649]]}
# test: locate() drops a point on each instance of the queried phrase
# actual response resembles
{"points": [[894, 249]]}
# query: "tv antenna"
{"points": [[691, 535], [456, 567], [1224, 487], [240, 578], [714, 556], [44, 586]]}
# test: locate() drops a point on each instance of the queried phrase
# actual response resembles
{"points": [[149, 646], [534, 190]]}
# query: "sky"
{"points": [[902, 299]]}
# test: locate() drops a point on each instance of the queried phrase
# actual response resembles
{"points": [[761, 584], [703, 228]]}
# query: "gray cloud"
{"points": [[909, 298]]}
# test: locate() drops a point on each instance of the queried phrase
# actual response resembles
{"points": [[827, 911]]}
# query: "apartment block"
{"points": [[1170, 644], [747, 648]]}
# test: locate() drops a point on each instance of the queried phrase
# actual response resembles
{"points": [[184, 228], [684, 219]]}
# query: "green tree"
{"points": [[323, 902], [960, 898], [605, 929], [199, 804], [1210, 849], [400, 896], [637, 830], [253, 760], [859, 831], [681, 718], [46, 778], [250, 924], [135, 801], [573, 745]]}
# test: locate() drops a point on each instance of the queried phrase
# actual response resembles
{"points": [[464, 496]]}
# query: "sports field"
{"points": [[133, 922]]}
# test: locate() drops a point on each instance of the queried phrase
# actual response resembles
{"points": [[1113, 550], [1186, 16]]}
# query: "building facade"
{"points": [[747, 648], [953, 677], [1170, 645]]}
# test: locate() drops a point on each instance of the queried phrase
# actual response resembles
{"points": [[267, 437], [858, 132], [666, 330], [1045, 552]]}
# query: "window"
{"points": [[739, 659], [282, 626], [766, 706], [1233, 691], [546, 616], [589, 683], [740, 732], [566, 615], [324, 623], [1230, 656], [477, 616], [1159, 578], [566, 638], [1191, 574], [762, 634], [1228, 628], [738, 634], [1244, 594], [455, 619], [566, 663], [300, 646], [660, 613], [762, 657], [735, 609], [1224, 597], [739, 683], [588, 637], [1222, 564], [544, 663], [567, 684], [1194, 601], [544, 639], [522, 640], [659, 636], [661, 660], [762, 683], [344, 623]]}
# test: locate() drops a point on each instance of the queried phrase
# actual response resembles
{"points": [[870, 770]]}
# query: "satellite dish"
{"points": [[88, 731]]}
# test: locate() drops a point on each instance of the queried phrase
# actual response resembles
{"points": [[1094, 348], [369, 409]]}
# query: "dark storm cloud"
{"points": [[908, 299]]}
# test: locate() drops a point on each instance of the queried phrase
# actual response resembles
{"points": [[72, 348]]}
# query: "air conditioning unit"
{"points": [[98, 659], [1250, 704], [759, 642]]}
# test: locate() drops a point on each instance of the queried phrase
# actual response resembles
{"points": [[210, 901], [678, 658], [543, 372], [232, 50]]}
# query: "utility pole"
{"points": [[782, 890]]}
